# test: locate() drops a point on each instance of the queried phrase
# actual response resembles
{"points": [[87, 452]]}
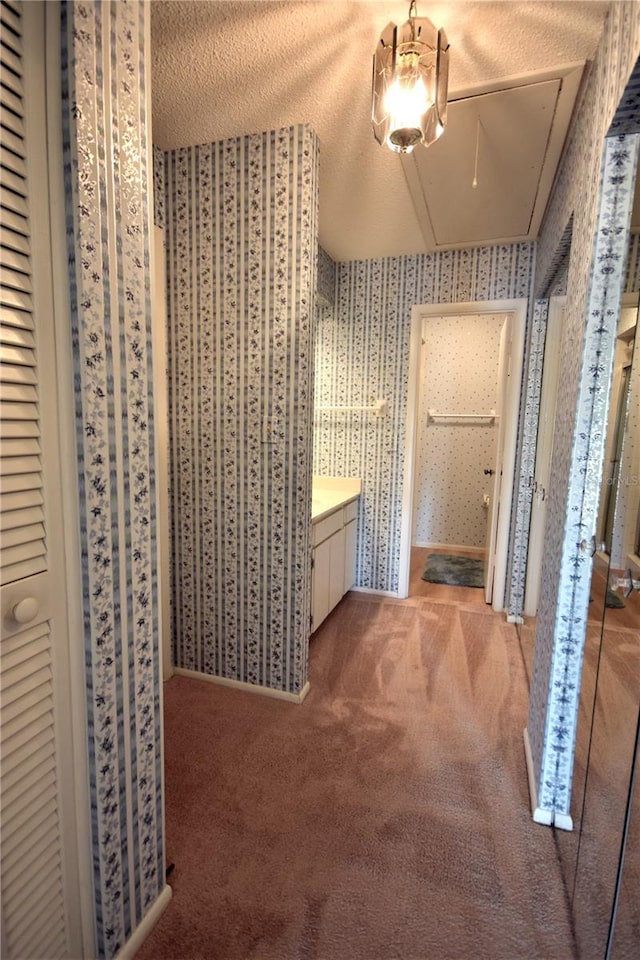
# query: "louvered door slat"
{"points": [[12, 201], [9, 218], [33, 553], [11, 161], [11, 465], [29, 926], [12, 142], [21, 518], [11, 35], [23, 887], [22, 841], [14, 240], [14, 392], [20, 448], [42, 931], [52, 941], [10, 538], [10, 18], [15, 280], [10, 58], [14, 298], [13, 317], [9, 100], [28, 775], [20, 481], [17, 337], [31, 849], [11, 79], [15, 260], [17, 373], [12, 180]]}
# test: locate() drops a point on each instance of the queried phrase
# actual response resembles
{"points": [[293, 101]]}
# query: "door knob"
{"points": [[26, 610], [488, 473]]}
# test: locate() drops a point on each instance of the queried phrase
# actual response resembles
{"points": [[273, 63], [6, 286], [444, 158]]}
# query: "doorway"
{"points": [[507, 418]]}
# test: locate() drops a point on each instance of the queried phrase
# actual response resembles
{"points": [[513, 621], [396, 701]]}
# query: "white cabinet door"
{"points": [[336, 572], [320, 583], [349, 555]]}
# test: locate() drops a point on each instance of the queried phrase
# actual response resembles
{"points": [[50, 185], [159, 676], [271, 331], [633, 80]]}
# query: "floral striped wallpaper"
{"points": [[598, 190], [108, 222], [241, 245], [362, 354]]}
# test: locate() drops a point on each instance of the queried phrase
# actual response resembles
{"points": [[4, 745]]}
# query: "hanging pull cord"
{"points": [[474, 182]]}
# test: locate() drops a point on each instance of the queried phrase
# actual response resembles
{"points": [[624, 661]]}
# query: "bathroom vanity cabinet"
{"points": [[333, 556]]}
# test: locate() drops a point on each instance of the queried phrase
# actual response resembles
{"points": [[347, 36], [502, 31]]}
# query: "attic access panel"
{"points": [[514, 179]]}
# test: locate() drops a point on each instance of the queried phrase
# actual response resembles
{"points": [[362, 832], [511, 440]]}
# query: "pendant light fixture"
{"points": [[410, 75]]}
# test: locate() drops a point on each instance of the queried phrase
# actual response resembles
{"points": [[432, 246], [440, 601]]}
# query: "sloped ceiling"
{"points": [[225, 69]]}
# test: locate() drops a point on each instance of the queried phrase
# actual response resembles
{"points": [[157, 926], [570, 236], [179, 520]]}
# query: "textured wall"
{"points": [[104, 75], [598, 191], [241, 273], [362, 354], [459, 375]]}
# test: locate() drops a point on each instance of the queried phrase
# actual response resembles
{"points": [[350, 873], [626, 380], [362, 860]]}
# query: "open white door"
{"points": [[496, 468], [42, 736], [544, 449]]}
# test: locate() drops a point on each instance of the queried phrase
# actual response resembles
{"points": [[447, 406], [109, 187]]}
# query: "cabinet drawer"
{"points": [[351, 511], [324, 528]]}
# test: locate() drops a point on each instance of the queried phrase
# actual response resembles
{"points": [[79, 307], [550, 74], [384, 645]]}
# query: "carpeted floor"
{"points": [[386, 818]]}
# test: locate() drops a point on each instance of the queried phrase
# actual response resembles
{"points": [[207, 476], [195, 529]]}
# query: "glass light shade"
{"points": [[410, 77]]}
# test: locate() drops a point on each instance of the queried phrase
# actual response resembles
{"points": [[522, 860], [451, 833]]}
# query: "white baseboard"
{"points": [[512, 618], [540, 815], [143, 929], [242, 685], [376, 593]]}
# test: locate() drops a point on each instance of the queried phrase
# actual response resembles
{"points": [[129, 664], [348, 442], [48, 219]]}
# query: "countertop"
{"points": [[331, 493]]}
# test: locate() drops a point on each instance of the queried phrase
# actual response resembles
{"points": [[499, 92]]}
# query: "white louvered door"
{"points": [[36, 877]]}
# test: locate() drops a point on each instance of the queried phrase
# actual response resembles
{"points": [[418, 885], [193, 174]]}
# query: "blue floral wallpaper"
{"points": [[598, 189], [362, 354], [105, 126], [241, 222]]}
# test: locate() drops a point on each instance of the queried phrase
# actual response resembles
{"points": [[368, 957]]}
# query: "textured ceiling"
{"points": [[224, 69]]}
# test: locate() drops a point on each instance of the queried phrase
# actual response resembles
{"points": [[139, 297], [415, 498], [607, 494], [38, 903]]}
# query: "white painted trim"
{"points": [[144, 928], [518, 309], [161, 435], [77, 818], [562, 821], [246, 687], [410, 444], [393, 594], [512, 618], [539, 815]]}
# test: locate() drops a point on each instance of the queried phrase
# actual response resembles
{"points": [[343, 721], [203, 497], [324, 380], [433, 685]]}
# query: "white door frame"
{"points": [[518, 309]]}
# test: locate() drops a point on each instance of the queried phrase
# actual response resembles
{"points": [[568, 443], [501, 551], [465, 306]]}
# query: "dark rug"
{"points": [[613, 601], [456, 571]]}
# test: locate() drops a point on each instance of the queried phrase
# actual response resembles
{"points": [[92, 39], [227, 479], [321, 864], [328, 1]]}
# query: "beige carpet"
{"points": [[387, 817]]}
